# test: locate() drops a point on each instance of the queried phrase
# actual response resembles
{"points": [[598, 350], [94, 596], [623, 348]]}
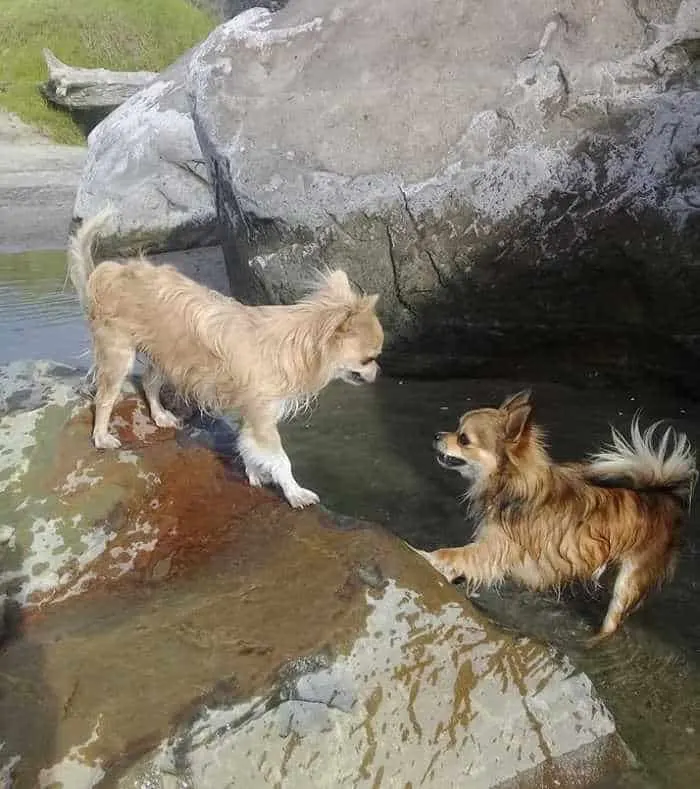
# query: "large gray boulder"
{"points": [[518, 181], [145, 162], [515, 179]]}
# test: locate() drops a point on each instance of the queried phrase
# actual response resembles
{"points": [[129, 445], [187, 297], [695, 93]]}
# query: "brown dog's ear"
{"points": [[516, 400], [517, 421]]}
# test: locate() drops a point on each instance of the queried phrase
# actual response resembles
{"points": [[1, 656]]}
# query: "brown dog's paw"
{"points": [[596, 640], [446, 562]]}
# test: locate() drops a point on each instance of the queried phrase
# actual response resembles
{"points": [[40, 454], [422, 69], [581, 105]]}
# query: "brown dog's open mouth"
{"points": [[449, 461]]}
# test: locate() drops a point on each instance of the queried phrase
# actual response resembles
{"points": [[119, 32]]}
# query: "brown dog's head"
{"points": [[484, 438]]}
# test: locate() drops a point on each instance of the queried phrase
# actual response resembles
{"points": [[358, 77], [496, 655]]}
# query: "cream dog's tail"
{"points": [[645, 463], [80, 261]]}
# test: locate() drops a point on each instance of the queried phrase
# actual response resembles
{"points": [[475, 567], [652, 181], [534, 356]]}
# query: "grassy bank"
{"points": [[124, 35]]}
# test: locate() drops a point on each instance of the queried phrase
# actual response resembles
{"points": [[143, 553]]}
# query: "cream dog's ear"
{"points": [[370, 302], [337, 283]]}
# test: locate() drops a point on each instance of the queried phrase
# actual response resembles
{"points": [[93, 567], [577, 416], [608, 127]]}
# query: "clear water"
{"points": [[39, 317], [367, 452]]}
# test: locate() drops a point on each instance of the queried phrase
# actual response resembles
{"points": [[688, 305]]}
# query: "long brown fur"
{"points": [[545, 524], [263, 362]]}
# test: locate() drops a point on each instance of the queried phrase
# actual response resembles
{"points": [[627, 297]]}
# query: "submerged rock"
{"points": [[181, 628]]}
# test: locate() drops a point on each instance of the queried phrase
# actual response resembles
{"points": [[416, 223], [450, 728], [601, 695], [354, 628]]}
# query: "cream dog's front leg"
{"points": [[265, 460]]}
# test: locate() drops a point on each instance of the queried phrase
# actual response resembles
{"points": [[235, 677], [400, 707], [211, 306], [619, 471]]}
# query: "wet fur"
{"points": [[265, 362], [545, 524]]}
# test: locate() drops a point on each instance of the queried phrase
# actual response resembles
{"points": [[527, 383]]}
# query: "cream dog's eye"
{"points": [[463, 440]]}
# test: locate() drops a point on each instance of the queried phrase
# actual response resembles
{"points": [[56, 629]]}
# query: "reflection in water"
{"points": [[39, 318], [367, 451]]}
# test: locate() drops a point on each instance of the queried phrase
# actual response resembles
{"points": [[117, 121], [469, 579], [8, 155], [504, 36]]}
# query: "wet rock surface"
{"points": [[179, 626]]}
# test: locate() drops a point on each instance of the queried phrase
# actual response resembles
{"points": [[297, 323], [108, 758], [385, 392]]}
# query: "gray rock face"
{"points": [[144, 160], [516, 181], [519, 182]]}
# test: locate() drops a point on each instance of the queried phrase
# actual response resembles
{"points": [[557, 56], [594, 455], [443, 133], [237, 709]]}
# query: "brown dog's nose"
{"points": [[438, 438]]}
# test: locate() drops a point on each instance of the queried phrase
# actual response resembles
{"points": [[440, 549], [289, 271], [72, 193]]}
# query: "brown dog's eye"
{"points": [[369, 360], [463, 440]]}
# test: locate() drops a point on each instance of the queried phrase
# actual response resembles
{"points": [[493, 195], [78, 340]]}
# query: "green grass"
{"points": [[124, 35]]}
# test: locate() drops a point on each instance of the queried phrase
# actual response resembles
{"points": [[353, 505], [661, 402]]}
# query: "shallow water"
{"points": [[367, 452], [39, 317]]}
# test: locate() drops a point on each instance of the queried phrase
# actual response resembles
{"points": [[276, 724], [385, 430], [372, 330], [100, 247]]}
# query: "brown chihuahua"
{"points": [[546, 524]]}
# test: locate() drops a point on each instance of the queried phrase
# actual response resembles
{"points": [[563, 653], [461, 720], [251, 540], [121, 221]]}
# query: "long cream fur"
{"points": [[265, 362]]}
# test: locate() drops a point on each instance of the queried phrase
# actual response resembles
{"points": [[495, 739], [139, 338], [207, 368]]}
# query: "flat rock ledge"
{"points": [[176, 628]]}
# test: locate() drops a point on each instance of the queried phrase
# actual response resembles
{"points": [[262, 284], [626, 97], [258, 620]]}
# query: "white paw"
{"points": [[254, 479], [258, 477], [300, 497], [166, 419], [105, 441]]}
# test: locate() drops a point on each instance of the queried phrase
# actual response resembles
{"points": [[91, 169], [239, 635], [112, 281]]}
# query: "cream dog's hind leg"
{"points": [[113, 359], [152, 382]]}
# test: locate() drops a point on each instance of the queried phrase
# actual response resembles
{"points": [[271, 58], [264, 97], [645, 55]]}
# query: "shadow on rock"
{"points": [[29, 707]]}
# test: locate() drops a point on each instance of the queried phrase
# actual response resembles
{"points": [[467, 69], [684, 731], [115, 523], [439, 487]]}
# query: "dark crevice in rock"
{"points": [[634, 5], [420, 239], [394, 268]]}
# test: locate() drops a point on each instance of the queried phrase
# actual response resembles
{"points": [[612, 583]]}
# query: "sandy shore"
{"points": [[37, 187], [38, 181]]}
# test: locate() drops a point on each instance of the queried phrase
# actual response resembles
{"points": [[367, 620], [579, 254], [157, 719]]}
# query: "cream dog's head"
{"points": [[360, 341], [352, 336]]}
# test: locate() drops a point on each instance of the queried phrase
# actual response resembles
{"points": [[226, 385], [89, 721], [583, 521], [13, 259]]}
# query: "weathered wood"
{"points": [[88, 88]]}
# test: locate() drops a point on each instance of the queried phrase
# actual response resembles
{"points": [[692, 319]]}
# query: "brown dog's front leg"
{"points": [[478, 563]]}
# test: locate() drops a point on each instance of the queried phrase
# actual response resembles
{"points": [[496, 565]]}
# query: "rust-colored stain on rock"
{"points": [[196, 508], [205, 581]]}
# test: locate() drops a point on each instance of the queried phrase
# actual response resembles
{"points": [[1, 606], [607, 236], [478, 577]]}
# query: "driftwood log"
{"points": [[90, 88]]}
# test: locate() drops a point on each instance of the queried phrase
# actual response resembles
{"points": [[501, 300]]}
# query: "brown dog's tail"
{"points": [[80, 260], [645, 463]]}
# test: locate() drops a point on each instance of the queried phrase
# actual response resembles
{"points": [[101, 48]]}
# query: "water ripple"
{"points": [[39, 317]]}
